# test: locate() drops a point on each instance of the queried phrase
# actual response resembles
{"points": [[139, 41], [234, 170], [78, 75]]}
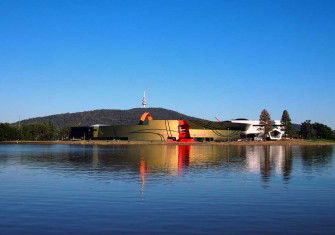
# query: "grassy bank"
{"points": [[319, 141], [110, 142]]}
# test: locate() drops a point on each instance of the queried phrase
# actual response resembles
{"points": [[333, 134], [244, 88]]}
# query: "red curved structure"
{"points": [[184, 132]]}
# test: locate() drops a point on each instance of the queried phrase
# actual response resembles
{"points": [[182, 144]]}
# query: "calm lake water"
{"points": [[166, 188]]}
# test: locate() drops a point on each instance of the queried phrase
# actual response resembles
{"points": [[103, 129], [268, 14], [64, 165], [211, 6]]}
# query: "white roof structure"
{"points": [[97, 125], [254, 127]]}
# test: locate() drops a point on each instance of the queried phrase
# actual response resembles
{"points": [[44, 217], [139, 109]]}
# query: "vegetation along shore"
{"points": [[56, 129]]}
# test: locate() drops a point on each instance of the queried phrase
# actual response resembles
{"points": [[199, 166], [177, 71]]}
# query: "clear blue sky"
{"points": [[204, 58]]}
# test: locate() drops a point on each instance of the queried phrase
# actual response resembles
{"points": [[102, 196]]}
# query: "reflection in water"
{"points": [[316, 155], [266, 163], [143, 172], [155, 188], [287, 163], [183, 158], [263, 159], [177, 160]]}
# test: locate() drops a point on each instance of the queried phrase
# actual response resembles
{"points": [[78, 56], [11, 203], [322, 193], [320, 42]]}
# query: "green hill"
{"points": [[108, 117]]}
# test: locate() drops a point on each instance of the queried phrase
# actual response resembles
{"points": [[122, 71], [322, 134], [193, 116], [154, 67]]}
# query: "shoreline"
{"points": [[234, 143]]}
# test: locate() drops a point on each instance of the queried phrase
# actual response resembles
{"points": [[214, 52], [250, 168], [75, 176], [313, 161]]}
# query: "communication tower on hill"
{"points": [[144, 101]]}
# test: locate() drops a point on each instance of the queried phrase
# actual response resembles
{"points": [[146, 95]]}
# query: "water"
{"points": [[166, 189]]}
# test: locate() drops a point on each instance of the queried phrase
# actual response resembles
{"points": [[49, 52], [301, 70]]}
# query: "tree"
{"points": [[39, 131], [8, 132], [323, 131], [307, 131], [265, 120], [36, 131], [64, 133], [286, 121], [316, 130]]}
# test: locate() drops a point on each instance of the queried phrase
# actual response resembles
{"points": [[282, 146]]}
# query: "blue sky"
{"points": [[203, 58]]}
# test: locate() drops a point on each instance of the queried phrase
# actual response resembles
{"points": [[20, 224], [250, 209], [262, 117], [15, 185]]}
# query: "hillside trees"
{"points": [[39, 131], [8, 132], [35, 132], [108, 117]]}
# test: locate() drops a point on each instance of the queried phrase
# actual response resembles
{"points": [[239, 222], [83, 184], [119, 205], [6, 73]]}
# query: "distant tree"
{"points": [[39, 131], [9, 132], [316, 130], [323, 131], [64, 133], [286, 121], [265, 120], [307, 131]]}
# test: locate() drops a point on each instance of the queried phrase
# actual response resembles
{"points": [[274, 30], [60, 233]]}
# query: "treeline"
{"points": [[309, 130], [36, 132], [48, 131]]}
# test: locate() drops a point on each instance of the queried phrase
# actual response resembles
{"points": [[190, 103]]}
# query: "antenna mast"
{"points": [[144, 101]]}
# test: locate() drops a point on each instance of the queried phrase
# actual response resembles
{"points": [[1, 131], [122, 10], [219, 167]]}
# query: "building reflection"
{"points": [[144, 162], [183, 158], [143, 173], [268, 160], [175, 159]]}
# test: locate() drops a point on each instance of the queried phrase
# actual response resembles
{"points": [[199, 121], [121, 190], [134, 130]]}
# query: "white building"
{"points": [[254, 129]]}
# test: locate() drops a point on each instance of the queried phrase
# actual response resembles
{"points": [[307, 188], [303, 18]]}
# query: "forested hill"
{"points": [[108, 117]]}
